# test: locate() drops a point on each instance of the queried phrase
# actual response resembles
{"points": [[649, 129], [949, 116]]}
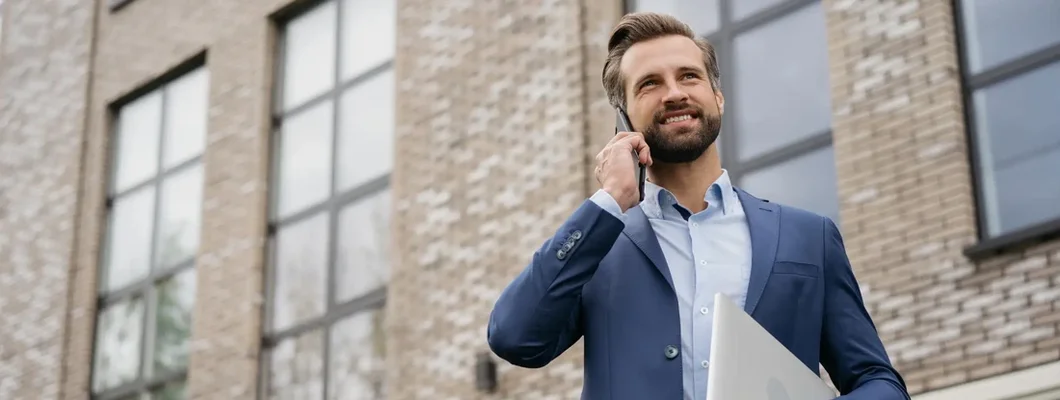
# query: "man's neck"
{"points": [[688, 181]]}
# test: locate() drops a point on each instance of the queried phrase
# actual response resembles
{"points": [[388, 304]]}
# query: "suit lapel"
{"points": [[763, 220], [639, 230]]}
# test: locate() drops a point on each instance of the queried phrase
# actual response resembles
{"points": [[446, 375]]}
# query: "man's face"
{"points": [[670, 99]]}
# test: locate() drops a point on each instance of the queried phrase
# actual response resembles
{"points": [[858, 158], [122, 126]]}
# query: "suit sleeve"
{"points": [[851, 350], [538, 315]]}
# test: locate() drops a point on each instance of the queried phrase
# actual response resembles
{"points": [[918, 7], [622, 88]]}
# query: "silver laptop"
{"points": [[747, 362]]}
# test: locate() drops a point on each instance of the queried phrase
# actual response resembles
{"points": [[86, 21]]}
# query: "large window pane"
{"points": [[360, 371], [128, 256], [807, 182], [364, 236], [781, 85], [368, 31], [744, 8], [139, 132], [296, 369], [701, 15], [186, 117], [309, 55], [367, 131], [997, 31], [305, 159], [1018, 132], [300, 272], [176, 297], [179, 215], [118, 337]]}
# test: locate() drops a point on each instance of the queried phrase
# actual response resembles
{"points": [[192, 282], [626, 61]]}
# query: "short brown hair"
{"points": [[642, 26]]}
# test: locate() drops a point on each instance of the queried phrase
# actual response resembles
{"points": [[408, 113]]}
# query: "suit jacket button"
{"points": [[561, 254], [671, 352], [576, 235]]}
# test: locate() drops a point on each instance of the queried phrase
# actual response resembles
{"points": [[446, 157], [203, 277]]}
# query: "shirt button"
{"points": [[695, 224], [702, 262], [704, 310], [705, 363]]}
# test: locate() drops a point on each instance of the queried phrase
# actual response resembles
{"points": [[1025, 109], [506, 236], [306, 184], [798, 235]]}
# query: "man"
{"points": [[636, 280]]}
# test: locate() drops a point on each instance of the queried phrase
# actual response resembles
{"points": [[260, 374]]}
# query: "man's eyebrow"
{"points": [[693, 69]]}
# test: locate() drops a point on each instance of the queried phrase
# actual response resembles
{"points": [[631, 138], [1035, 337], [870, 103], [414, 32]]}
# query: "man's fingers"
{"points": [[636, 142]]}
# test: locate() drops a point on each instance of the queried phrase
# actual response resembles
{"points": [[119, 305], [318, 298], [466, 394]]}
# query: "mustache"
{"points": [[697, 112]]}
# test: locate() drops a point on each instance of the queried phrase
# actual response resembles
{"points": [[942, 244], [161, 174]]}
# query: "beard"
{"points": [[684, 144]]}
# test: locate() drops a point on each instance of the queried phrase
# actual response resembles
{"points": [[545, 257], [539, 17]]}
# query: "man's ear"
{"points": [[720, 98]]}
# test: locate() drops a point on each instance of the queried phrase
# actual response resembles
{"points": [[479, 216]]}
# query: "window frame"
{"points": [[146, 287], [1020, 238], [333, 205], [723, 39]]}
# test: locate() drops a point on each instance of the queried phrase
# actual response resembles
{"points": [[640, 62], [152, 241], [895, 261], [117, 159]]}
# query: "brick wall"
{"points": [[43, 83], [908, 208], [496, 106], [135, 45]]}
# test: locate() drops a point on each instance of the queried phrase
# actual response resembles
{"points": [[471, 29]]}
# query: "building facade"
{"points": [[308, 199]]}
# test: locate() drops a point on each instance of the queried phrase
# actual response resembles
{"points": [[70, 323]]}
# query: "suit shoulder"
{"points": [[794, 215]]}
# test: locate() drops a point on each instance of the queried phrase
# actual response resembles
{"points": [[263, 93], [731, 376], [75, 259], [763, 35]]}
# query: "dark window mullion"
{"points": [[335, 203], [334, 92], [142, 386], [335, 211], [1016, 67], [766, 15], [795, 150], [158, 178], [150, 300], [140, 286], [374, 299]]}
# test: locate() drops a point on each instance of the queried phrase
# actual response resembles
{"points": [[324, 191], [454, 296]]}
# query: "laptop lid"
{"points": [[747, 362]]}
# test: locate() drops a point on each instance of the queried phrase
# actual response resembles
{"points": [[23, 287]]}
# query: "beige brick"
{"points": [[1038, 358], [1030, 264], [1007, 306], [1034, 334], [993, 369], [949, 379], [1012, 352], [1047, 317], [45, 56], [1047, 344], [986, 347], [1031, 286], [1046, 295]]}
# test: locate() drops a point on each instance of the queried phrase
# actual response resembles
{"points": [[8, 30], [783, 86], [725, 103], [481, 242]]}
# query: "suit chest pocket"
{"points": [[793, 268]]}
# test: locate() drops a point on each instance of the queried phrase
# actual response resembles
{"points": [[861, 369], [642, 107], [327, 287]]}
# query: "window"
{"points": [[330, 205], [776, 138], [147, 275], [1011, 67]]}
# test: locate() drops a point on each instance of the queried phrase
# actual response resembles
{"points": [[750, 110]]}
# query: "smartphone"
{"points": [[622, 124]]}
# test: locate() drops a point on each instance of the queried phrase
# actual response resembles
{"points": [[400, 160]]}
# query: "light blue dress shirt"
{"points": [[707, 252]]}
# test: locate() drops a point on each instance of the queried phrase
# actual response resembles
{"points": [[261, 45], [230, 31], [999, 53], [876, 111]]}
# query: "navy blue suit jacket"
{"points": [[607, 282]]}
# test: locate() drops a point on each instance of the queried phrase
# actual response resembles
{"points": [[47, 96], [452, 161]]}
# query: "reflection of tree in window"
{"points": [[363, 257], [297, 368]]}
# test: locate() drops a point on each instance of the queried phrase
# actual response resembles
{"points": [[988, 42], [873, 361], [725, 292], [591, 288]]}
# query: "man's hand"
{"points": [[615, 168]]}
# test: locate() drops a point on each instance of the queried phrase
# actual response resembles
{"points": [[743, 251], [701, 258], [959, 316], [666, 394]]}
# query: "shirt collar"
{"points": [[659, 201]]}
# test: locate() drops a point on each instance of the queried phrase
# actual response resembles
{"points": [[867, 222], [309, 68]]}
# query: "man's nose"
{"points": [[674, 93]]}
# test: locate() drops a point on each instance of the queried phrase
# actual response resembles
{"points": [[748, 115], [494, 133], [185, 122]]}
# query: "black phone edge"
{"points": [[623, 124]]}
